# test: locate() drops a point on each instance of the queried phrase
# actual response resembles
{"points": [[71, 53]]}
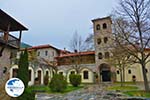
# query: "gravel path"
{"points": [[92, 92]]}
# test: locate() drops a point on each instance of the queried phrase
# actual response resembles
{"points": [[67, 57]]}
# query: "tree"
{"points": [[52, 64], [120, 59], [76, 45], [23, 72], [89, 43], [133, 29]]}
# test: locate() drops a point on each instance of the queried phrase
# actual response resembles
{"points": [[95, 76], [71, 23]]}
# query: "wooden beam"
{"points": [[20, 35]]}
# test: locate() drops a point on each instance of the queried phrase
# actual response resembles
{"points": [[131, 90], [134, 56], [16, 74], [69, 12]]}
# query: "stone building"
{"points": [[37, 67], [102, 40], [9, 46], [82, 63], [87, 64], [65, 61], [102, 28]]}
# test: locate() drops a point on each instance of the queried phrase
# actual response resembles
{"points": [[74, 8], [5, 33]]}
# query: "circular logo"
{"points": [[14, 87]]}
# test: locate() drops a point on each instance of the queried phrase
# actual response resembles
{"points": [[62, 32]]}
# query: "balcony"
{"points": [[12, 40]]}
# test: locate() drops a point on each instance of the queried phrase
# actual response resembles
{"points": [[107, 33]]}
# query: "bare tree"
{"points": [[76, 44], [52, 64], [133, 29], [120, 59], [89, 43]]}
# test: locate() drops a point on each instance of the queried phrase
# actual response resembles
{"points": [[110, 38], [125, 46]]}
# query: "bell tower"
{"points": [[102, 28]]}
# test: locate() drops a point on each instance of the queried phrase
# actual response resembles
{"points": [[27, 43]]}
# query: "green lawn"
{"points": [[130, 91], [138, 93], [123, 88], [126, 83], [46, 89]]}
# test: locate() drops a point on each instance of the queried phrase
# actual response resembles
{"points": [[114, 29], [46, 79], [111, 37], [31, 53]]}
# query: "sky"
{"points": [[55, 21]]}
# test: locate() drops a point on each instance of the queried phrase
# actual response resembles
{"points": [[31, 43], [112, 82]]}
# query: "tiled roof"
{"points": [[76, 54], [41, 47], [147, 49]]}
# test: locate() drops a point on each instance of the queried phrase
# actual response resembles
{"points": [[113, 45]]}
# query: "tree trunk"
{"points": [[123, 72], [121, 78], [146, 84]]}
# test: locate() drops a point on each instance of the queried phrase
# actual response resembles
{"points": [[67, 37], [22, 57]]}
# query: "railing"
{"points": [[12, 40]]}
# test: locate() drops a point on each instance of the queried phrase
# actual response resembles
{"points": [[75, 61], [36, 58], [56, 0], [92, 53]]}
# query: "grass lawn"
{"points": [[138, 93], [46, 89], [123, 88], [130, 91], [126, 83]]}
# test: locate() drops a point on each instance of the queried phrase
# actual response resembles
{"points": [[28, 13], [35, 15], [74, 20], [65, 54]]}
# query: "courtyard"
{"points": [[104, 91]]}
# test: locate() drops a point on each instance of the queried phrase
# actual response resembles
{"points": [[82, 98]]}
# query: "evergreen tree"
{"points": [[23, 73]]}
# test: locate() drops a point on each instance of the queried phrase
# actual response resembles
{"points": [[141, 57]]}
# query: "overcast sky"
{"points": [[55, 21]]}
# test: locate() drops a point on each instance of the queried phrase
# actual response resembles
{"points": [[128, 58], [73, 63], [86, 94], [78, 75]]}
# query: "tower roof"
{"points": [[108, 17]]}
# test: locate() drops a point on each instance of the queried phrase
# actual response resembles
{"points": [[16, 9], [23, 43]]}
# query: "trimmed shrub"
{"points": [[27, 95], [46, 79], [58, 83], [75, 79]]}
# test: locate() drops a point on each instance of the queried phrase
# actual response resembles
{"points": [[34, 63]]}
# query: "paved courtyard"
{"points": [[91, 92]]}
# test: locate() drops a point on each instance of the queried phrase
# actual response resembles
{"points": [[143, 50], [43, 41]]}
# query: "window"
{"points": [[117, 71], [97, 27], [104, 26], [98, 40], [46, 73], [72, 72], [106, 54], [29, 75], [86, 75], [100, 56], [38, 53], [61, 73], [15, 71], [105, 39], [146, 70], [53, 53], [129, 71], [46, 53]]}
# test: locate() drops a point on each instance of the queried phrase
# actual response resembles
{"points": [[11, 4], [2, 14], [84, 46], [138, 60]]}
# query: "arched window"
{"points": [[106, 54], [86, 75], [146, 70], [38, 53], [104, 26], [46, 53], [15, 71], [72, 72], [99, 41], [46, 73], [97, 27], [100, 56], [117, 71], [105, 39], [61, 73], [129, 71]]}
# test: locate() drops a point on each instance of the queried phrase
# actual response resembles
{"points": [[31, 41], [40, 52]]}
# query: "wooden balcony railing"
{"points": [[12, 40]]}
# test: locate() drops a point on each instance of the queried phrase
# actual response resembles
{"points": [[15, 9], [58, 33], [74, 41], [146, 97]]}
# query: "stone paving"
{"points": [[93, 92]]}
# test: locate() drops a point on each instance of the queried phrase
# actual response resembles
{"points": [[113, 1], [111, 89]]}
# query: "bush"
{"points": [[75, 79], [58, 83], [46, 80], [27, 95]]}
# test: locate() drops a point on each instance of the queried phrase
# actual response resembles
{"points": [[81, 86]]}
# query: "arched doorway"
{"points": [[105, 72], [39, 76]]}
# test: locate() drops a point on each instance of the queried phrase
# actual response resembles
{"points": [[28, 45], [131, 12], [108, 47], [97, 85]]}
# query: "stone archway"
{"points": [[105, 72]]}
